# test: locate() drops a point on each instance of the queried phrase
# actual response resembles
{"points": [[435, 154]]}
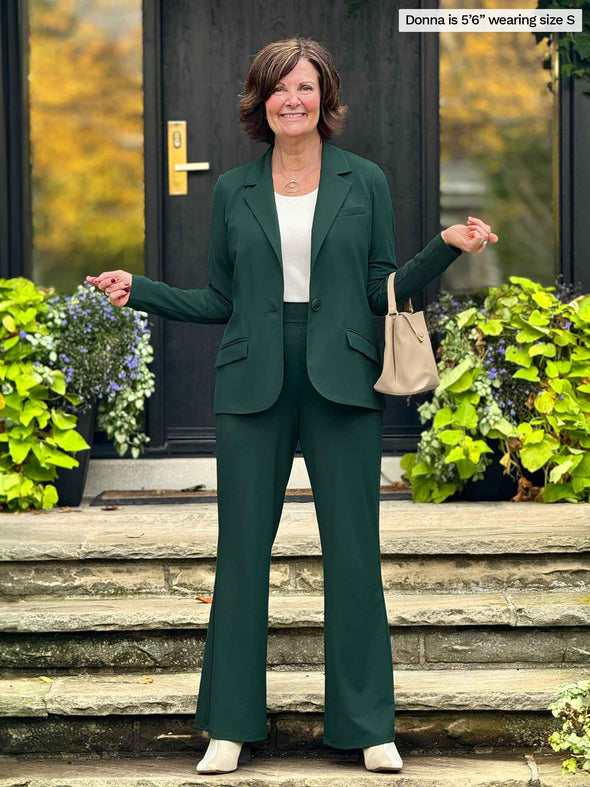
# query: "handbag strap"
{"points": [[391, 301]]}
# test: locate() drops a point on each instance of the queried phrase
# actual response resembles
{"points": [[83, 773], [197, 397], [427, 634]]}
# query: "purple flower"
{"points": [[22, 334]]}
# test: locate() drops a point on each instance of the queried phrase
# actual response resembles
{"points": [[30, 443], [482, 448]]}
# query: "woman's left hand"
{"points": [[471, 237]]}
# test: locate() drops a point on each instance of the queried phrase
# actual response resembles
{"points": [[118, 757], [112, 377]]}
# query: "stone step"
{"points": [[295, 574], [171, 550], [566, 608], [299, 692], [331, 769], [427, 631], [190, 531]]}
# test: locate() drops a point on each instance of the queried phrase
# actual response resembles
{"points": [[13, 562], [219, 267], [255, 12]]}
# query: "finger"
{"points": [[119, 297], [101, 277], [473, 220]]}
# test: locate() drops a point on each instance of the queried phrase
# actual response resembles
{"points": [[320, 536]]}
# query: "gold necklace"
{"points": [[293, 184]]}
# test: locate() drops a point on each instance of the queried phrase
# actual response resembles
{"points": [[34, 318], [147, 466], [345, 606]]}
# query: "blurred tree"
{"points": [[86, 116], [496, 117]]}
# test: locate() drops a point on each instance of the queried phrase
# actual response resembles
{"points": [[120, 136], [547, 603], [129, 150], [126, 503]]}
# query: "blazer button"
{"points": [[316, 304]]}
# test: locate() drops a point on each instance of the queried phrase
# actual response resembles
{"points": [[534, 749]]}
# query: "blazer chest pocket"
{"points": [[358, 342], [232, 351], [352, 210]]}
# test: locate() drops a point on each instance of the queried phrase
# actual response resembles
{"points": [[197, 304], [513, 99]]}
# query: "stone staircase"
{"points": [[104, 614]]}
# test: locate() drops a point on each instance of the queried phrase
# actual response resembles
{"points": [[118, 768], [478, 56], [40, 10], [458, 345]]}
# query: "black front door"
{"points": [[196, 57]]}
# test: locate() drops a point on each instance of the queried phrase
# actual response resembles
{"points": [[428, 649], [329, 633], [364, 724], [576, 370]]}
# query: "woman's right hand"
{"points": [[116, 284]]}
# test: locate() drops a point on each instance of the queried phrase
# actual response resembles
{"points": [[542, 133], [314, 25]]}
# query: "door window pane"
{"points": [[86, 121], [497, 121]]}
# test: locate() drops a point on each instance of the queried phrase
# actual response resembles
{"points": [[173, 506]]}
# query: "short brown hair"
{"points": [[269, 66]]}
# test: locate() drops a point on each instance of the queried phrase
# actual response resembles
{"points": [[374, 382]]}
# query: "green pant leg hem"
{"points": [[361, 744], [229, 735]]}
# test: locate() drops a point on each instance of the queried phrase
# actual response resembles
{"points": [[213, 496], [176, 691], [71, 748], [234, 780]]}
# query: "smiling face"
{"points": [[293, 108]]}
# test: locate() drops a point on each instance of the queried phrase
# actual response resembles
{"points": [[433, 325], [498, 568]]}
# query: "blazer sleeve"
{"points": [[429, 263], [211, 304]]}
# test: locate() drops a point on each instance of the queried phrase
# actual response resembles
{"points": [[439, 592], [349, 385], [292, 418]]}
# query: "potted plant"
{"points": [[104, 353], [506, 364], [36, 434]]}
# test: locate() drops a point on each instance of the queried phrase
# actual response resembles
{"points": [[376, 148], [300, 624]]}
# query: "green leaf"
{"points": [[563, 337], [531, 374], [558, 471], [465, 317], [63, 420], [442, 418], [583, 308], [580, 370], [543, 300], [25, 382], [8, 323], [455, 455], [503, 427], [476, 449], [465, 415], [454, 375], [69, 440], [408, 460], [518, 355], [583, 466], [30, 410], [529, 334], [533, 456], [19, 449], [544, 402], [50, 496], [542, 348], [466, 468], [451, 436], [553, 492], [491, 327], [442, 491], [421, 468], [59, 382], [537, 319], [534, 436], [53, 456]]}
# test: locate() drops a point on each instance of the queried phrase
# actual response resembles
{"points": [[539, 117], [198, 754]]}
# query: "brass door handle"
{"points": [[178, 166], [192, 166]]}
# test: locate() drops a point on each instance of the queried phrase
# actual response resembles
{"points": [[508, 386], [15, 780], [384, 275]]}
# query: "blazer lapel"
{"points": [[332, 192], [261, 199]]}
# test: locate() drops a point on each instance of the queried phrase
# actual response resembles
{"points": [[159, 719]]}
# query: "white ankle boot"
{"points": [[383, 757], [224, 756]]}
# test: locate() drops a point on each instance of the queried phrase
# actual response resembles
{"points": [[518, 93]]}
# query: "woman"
{"points": [[302, 244]]}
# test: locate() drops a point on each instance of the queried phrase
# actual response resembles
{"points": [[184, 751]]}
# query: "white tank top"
{"points": [[295, 222]]}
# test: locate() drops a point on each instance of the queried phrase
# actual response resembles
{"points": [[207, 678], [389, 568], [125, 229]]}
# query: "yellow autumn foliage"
{"points": [[86, 131], [493, 86]]}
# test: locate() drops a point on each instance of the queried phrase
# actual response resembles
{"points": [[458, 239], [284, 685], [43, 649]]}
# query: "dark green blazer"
{"points": [[352, 255]]}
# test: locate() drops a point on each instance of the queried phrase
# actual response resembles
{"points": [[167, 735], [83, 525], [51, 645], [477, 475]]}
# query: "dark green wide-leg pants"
{"points": [[342, 448]]}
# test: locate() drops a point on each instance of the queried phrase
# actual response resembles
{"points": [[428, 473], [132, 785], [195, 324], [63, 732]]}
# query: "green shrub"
{"points": [[573, 706], [36, 435], [516, 372]]}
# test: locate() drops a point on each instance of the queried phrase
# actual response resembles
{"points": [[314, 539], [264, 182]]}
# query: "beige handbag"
{"points": [[409, 365]]}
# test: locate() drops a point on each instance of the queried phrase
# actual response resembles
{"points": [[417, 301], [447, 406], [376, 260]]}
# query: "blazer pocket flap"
{"points": [[358, 342], [352, 210], [232, 351]]}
